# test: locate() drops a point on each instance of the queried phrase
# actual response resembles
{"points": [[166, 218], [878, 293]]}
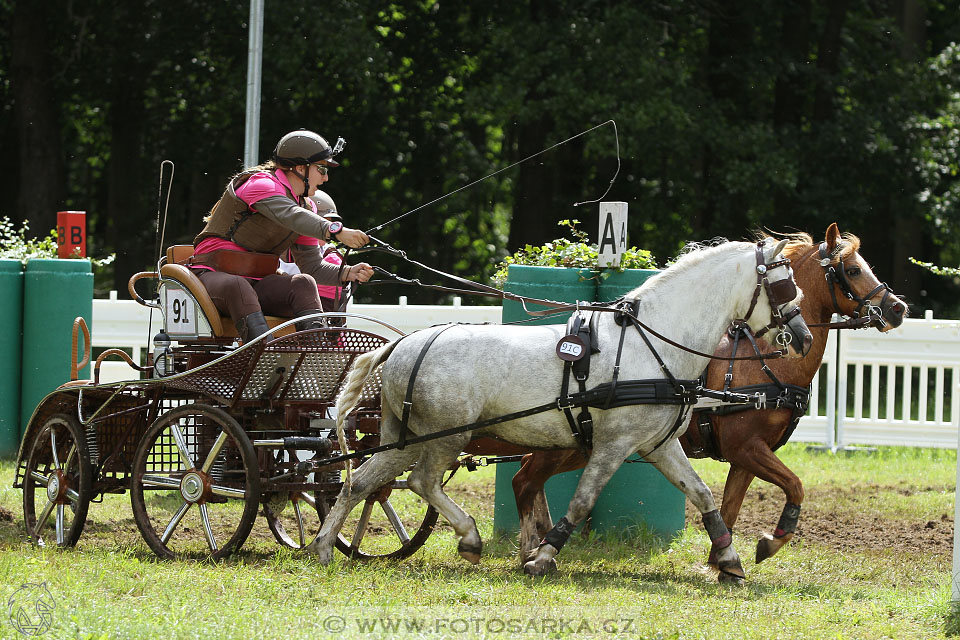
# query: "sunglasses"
{"points": [[322, 168]]}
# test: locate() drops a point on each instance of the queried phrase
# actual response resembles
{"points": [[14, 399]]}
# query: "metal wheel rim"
{"points": [[59, 471], [192, 468]]}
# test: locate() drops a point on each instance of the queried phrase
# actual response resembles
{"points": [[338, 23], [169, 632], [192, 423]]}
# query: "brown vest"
{"points": [[233, 220]]}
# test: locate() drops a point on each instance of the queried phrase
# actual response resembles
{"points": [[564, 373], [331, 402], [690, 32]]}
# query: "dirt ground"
{"points": [[930, 534]]}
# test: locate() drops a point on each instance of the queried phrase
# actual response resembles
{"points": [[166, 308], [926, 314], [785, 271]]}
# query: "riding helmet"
{"points": [[305, 147]]}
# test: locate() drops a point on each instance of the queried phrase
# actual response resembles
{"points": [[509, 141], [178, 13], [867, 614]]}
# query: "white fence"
{"points": [[898, 388]]}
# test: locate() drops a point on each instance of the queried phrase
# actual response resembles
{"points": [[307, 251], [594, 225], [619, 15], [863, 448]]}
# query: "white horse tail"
{"points": [[348, 399]]}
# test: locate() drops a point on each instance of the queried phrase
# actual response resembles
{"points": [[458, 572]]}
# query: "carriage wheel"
{"points": [[195, 486], [57, 482], [393, 522]]}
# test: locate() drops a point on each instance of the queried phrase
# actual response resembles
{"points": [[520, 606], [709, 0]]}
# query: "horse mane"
{"points": [[800, 241], [689, 256]]}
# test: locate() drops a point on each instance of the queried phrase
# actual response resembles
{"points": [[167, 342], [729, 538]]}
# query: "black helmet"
{"points": [[305, 147]]}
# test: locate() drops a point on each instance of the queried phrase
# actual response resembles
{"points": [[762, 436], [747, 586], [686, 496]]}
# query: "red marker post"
{"points": [[71, 234]]}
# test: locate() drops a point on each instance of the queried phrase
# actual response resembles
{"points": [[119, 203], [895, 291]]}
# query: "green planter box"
{"points": [[11, 299], [637, 494], [546, 283], [55, 292]]}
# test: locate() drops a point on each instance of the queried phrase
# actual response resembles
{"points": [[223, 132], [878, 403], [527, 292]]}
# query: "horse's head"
{"points": [[854, 290], [777, 294]]}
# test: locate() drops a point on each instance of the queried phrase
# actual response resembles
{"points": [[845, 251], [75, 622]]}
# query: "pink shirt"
{"points": [[330, 291]]}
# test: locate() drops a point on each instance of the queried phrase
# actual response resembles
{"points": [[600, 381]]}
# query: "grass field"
{"points": [[883, 581]]}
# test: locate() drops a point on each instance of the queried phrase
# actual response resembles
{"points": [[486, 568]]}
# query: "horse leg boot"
{"points": [[769, 545], [765, 464], [382, 468], [674, 465], [601, 467], [426, 481], [528, 490], [734, 491], [251, 326]]}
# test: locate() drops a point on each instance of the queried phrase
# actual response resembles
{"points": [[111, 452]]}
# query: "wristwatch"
{"points": [[334, 228]]}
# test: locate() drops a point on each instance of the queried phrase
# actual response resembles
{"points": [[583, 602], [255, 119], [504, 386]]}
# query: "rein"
{"points": [[615, 306]]}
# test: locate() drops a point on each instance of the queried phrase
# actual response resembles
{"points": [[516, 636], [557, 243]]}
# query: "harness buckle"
{"points": [[761, 401]]}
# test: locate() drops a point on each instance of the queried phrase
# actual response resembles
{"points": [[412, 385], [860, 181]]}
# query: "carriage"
{"points": [[210, 435]]}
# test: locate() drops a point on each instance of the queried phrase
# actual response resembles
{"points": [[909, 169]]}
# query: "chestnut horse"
{"points": [[835, 278]]}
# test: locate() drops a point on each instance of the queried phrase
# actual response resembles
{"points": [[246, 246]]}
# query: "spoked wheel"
{"points": [[57, 482], [293, 518], [195, 487], [393, 522]]}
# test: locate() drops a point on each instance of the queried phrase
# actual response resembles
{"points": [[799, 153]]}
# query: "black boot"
{"points": [[310, 323], [251, 326]]}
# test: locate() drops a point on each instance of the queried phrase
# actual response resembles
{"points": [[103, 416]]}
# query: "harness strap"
{"points": [[582, 427], [785, 396], [663, 366], [735, 329], [408, 398], [616, 367], [763, 365], [633, 392]]}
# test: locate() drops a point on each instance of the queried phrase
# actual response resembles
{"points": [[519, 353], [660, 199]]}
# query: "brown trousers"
{"points": [[280, 294]]}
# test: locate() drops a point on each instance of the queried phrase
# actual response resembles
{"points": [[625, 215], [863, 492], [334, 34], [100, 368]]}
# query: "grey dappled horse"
{"points": [[476, 372]]}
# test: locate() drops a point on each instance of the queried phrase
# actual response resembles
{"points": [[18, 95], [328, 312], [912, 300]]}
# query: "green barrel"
{"points": [[637, 494], [55, 292], [546, 283], [11, 297]]}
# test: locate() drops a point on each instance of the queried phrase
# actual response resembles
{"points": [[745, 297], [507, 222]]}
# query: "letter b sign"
{"points": [[71, 234]]}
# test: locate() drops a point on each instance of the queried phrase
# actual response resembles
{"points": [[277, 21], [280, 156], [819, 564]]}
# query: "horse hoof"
{"points": [[767, 546], [731, 572], [533, 568], [730, 579], [470, 552], [526, 556]]}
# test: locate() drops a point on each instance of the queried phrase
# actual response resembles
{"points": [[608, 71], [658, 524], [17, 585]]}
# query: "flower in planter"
{"points": [[14, 244], [577, 253]]}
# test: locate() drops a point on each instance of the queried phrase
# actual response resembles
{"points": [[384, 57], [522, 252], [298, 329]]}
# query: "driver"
{"points": [[265, 211]]}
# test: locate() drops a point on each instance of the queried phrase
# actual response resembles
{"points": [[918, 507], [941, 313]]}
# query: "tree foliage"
{"points": [[729, 117]]}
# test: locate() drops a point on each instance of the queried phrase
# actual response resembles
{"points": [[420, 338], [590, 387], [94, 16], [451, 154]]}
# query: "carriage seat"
{"points": [[221, 326]]}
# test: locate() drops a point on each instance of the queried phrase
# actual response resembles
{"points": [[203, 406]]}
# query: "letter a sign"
{"points": [[613, 233]]}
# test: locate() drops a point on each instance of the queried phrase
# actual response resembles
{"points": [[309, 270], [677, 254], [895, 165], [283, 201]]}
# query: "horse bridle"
{"points": [[836, 275], [779, 293]]}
